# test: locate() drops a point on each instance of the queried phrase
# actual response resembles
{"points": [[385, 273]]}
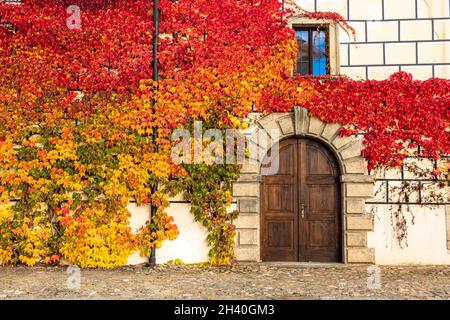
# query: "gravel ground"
{"points": [[252, 281]]}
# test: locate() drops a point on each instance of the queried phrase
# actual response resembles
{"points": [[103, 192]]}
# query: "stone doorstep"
{"points": [[293, 264]]}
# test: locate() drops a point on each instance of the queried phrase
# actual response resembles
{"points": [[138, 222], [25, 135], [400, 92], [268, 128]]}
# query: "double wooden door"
{"points": [[300, 206]]}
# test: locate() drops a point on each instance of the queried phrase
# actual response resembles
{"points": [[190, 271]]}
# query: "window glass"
{"points": [[312, 54], [303, 63], [319, 48]]}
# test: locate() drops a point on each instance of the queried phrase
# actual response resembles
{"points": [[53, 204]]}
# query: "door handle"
{"points": [[302, 210]]}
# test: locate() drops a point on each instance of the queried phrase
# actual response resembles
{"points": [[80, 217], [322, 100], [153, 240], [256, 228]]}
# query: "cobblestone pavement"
{"points": [[255, 281]]}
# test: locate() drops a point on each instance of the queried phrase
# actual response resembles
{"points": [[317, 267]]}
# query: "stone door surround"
{"points": [[356, 184]]}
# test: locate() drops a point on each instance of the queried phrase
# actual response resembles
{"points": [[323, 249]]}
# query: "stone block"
{"points": [[249, 177], [366, 54], [331, 130], [355, 206], [248, 236], [357, 178], [416, 30], [301, 121], [356, 73], [442, 29], [399, 9], [270, 121], [366, 10], [434, 52], [340, 142], [419, 72], [360, 190], [381, 73], [382, 31], [400, 53], [361, 255], [308, 5], [339, 6], [316, 126], [343, 55], [247, 221], [361, 222], [356, 239], [246, 189], [442, 72], [287, 125], [447, 220], [360, 29], [355, 165], [248, 205], [250, 167], [247, 253], [352, 151], [433, 8]]}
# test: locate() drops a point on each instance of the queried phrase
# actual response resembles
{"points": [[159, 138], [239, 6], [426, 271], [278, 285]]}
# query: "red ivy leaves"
{"points": [[394, 115]]}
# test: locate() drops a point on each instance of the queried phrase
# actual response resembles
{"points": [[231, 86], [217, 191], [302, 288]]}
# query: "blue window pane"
{"points": [[319, 49], [304, 52]]}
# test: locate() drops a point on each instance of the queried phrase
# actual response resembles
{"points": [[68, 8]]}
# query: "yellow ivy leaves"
{"points": [[28, 238], [96, 238]]}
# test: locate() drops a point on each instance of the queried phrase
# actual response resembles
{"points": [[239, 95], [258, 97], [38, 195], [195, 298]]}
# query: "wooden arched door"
{"points": [[300, 206]]}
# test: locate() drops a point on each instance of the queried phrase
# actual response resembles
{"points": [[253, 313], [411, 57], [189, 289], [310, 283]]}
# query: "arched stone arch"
{"points": [[356, 184]]}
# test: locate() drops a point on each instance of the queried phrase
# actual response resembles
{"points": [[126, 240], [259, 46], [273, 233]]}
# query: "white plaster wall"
{"points": [[190, 246], [427, 242], [139, 215]]}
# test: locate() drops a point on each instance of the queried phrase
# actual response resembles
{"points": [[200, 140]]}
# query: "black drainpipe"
{"points": [[153, 208]]}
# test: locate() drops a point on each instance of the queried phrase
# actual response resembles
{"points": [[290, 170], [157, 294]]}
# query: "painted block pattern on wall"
{"points": [[392, 35]]}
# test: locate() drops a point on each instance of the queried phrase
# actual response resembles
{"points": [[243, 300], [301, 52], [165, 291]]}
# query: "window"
{"points": [[313, 57]]}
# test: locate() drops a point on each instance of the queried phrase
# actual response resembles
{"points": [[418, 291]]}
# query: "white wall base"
{"points": [[191, 245], [427, 241]]}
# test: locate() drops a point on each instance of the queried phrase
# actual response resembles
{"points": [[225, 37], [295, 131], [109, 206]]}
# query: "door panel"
{"points": [[280, 197], [279, 221], [300, 207], [281, 233]]}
